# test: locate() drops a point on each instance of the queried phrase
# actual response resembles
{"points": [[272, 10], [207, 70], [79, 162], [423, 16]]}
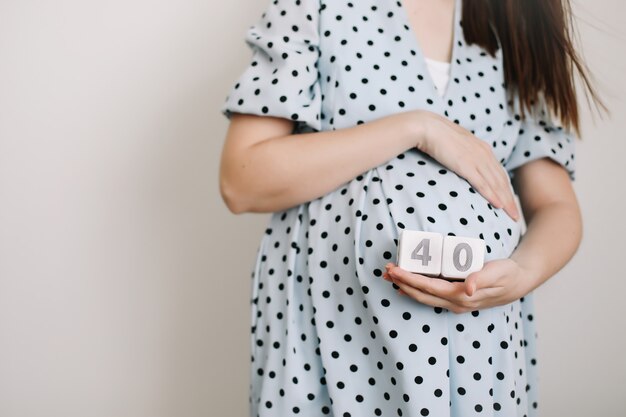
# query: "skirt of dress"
{"points": [[330, 336]]}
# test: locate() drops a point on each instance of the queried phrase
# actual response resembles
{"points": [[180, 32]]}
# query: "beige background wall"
{"points": [[124, 280]]}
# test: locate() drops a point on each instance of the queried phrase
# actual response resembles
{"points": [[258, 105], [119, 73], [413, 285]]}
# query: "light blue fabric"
{"points": [[329, 335]]}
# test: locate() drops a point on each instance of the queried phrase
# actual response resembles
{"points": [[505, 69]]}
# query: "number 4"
{"points": [[425, 257]]}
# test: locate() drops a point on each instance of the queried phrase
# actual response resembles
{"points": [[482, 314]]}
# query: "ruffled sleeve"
{"points": [[539, 137], [282, 79]]}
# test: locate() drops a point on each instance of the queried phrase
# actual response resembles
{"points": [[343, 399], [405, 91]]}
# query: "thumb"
{"points": [[471, 283], [481, 279]]}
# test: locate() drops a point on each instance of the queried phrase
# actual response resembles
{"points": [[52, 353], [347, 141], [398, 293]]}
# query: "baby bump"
{"points": [[421, 194], [413, 191], [357, 225]]}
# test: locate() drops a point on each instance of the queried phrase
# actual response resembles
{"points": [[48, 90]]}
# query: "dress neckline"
{"points": [[442, 64], [423, 60]]}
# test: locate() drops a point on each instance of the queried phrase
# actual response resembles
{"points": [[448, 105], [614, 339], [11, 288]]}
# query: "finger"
{"points": [[495, 183], [459, 304], [501, 181], [508, 193], [511, 209], [426, 298], [498, 179], [483, 186], [481, 298], [486, 277], [505, 189], [434, 286], [471, 284]]}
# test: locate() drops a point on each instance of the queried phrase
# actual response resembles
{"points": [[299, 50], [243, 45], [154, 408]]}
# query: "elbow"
{"points": [[242, 194], [231, 196], [241, 199], [576, 228], [581, 226]]}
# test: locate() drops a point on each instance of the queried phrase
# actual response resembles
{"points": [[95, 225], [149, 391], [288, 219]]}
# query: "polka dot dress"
{"points": [[329, 336]]}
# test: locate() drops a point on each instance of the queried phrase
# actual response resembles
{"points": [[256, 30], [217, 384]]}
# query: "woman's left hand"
{"points": [[499, 282]]}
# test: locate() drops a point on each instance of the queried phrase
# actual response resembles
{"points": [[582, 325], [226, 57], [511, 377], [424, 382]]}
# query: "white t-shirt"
{"points": [[440, 73]]}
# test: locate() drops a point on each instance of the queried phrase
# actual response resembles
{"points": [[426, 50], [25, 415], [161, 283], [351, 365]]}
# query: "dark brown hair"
{"points": [[537, 50]]}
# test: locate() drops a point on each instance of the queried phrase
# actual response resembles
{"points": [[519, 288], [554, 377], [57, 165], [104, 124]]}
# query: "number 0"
{"points": [[456, 255]]}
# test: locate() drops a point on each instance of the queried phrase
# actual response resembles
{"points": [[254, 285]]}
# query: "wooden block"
{"points": [[420, 252], [462, 256]]}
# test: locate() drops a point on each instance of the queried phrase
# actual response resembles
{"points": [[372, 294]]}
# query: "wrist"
{"points": [[414, 128], [531, 275]]}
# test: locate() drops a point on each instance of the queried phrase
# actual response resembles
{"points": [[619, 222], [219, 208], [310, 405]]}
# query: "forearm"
{"points": [[552, 238], [282, 172]]}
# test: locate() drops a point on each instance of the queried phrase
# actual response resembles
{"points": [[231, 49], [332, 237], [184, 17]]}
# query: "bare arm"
{"points": [[265, 168], [554, 219]]}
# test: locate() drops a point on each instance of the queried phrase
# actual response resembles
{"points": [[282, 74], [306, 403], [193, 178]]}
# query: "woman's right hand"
{"points": [[470, 157]]}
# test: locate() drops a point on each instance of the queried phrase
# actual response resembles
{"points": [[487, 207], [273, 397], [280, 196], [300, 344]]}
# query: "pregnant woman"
{"points": [[357, 119]]}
